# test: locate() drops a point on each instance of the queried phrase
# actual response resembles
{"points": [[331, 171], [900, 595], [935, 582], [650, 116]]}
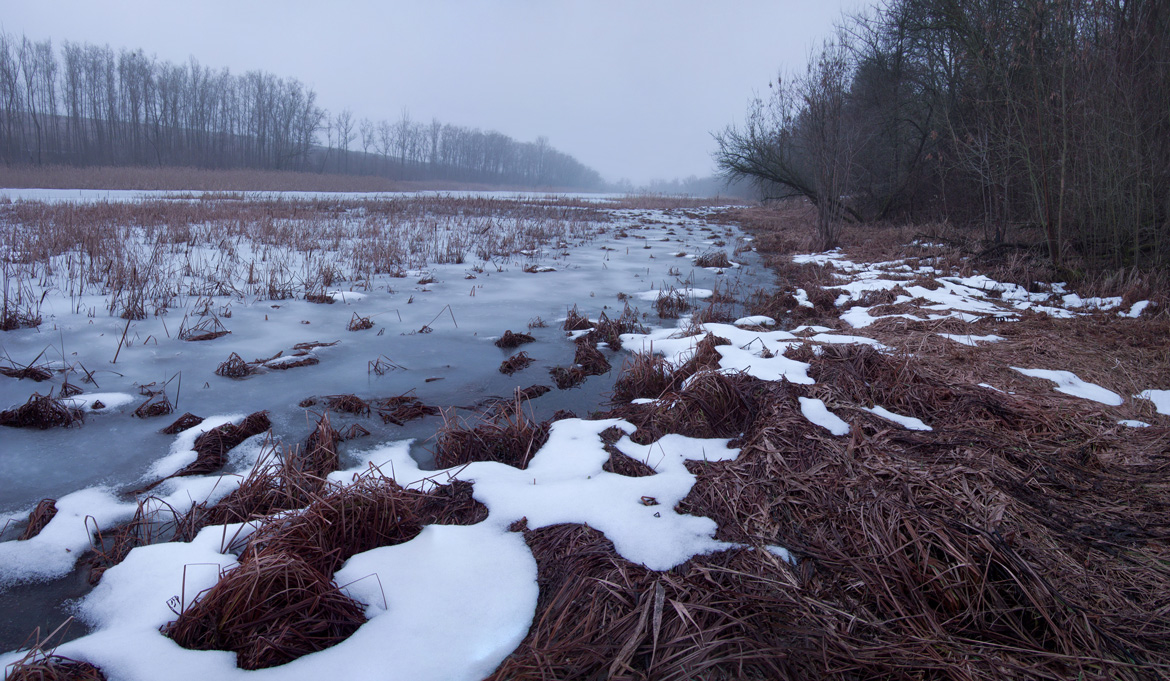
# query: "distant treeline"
{"points": [[90, 105], [1044, 115]]}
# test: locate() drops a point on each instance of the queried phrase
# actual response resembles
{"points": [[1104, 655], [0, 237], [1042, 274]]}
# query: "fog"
{"points": [[632, 89]]}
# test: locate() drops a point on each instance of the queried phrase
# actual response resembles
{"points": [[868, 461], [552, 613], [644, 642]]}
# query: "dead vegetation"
{"points": [[402, 408], [54, 668], [713, 259], [184, 422], [42, 412], [515, 363], [235, 367], [33, 373], [512, 438], [671, 304], [280, 602], [269, 611], [209, 328], [212, 447], [348, 404], [38, 518], [157, 404], [513, 340], [359, 323], [999, 545], [575, 321]]}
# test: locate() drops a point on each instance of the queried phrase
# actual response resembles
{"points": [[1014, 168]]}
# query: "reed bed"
{"points": [[151, 256]]}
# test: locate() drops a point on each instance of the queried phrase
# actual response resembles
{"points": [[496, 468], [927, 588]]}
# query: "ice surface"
{"points": [[815, 411], [1160, 398], [1068, 383]]}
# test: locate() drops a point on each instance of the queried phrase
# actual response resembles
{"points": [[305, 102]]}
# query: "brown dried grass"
{"points": [[513, 340], [38, 518], [41, 412], [511, 438], [349, 404], [515, 363], [36, 374], [157, 404], [212, 447], [402, 408], [234, 367], [184, 422], [53, 668], [713, 259], [358, 323], [591, 361], [271, 609], [575, 321], [567, 377]]}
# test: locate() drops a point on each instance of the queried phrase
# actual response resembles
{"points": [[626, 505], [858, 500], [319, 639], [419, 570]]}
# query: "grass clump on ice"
{"points": [[42, 412], [513, 340], [515, 363]]}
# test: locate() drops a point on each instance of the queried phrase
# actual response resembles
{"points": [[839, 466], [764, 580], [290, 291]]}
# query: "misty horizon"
{"points": [[632, 92]]}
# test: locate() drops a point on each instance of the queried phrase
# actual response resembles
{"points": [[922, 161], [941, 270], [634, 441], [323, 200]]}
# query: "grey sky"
{"points": [[632, 88]]}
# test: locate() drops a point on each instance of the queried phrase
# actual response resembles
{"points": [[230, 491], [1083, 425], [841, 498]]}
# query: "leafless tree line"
{"points": [[408, 149], [1020, 116], [90, 105]]}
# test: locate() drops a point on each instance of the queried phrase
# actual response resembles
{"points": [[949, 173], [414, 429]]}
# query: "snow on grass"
{"points": [[1136, 310], [450, 603], [755, 320], [1070, 384], [781, 553], [907, 422], [1160, 398], [815, 411], [52, 553], [345, 296], [686, 292], [968, 298], [110, 401], [182, 450], [970, 339], [565, 483], [757, 353], [838, 339], [1133, 424]]}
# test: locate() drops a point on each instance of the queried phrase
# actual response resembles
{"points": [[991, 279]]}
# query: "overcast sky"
{"points": [[631, 88]]}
